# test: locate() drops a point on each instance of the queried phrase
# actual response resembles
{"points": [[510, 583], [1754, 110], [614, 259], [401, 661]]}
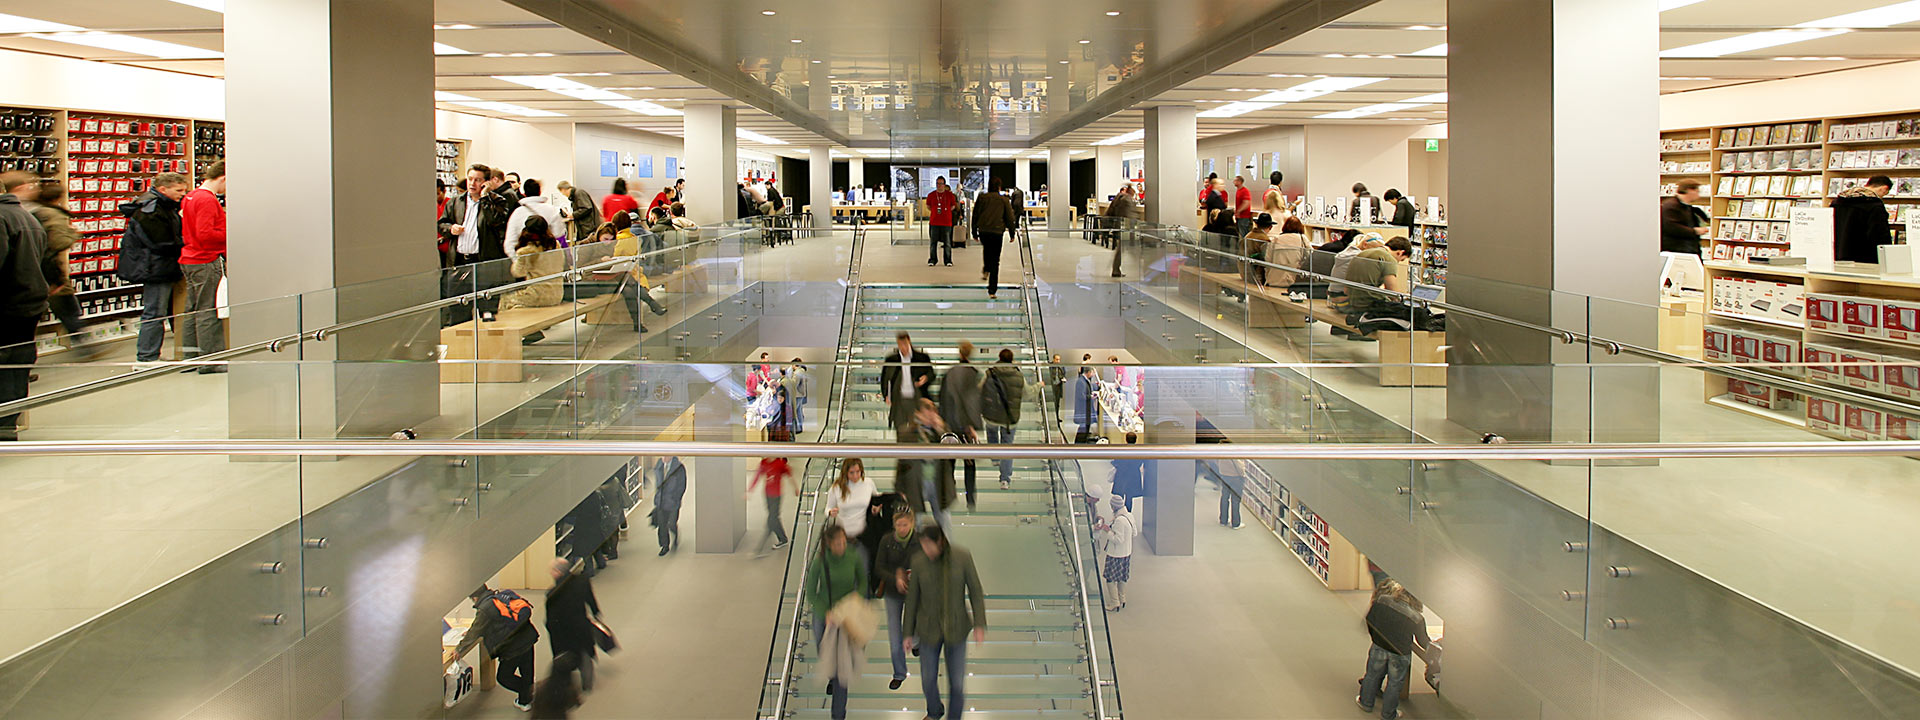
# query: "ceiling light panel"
{"points": [[1885, 16], [746, 134], [129, 44], [1747, 43], [1666, 5], [16, 24], [441, 48], [219, 6], [1123, 138], [1435, 51]]}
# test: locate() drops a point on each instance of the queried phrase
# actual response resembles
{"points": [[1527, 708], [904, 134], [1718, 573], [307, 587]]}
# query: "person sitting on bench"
{"points": [[634, 287], [537, 256], [1370, 311]]}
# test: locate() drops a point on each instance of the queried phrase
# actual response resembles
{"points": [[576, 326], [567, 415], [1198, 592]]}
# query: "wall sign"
{"points": [[1433, 145], [646, 166], [673, 167], [609, 163], [628, 166]]}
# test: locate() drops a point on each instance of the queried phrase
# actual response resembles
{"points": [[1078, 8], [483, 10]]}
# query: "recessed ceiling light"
{"points": [[127, 44], [766, 12], [1063, 62], [1083, 42], [816, 62], [1049, 77], [830, 77], [796, 41], [1112, 13], [543, 54]]}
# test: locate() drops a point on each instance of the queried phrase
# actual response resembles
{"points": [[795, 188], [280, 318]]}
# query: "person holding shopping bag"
{"points": [[842, 622]]}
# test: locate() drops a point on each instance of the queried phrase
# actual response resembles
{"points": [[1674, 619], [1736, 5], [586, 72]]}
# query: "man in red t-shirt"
{"points": [[664, 197], [203, 261], [940, 205], [772, 475], [1242, 205]]}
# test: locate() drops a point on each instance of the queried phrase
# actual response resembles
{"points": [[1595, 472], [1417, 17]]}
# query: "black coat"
{"points": [[495, 208], [150, 248], [25, 268], [571, 607], [670, 476], [1677, 223], [922, 367], [1860, 227]]}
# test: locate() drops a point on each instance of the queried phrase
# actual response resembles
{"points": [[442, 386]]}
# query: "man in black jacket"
{"points": [[1681, 224], [992, 218], [1860, 224], [960, 409], [571, 611], [25, 272], [503, 627], [1397, 627], [901, 397], [1403, 210], [670, 483], [150, 255]]}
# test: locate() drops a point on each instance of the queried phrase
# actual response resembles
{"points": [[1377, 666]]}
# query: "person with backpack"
{"points": [[960, 410], [150, 256], [1001, 396], [503, 628], [896, 556], [1397, 626], [571, 611]]}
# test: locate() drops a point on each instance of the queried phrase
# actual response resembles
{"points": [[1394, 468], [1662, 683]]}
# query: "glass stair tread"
{"points": [[917, 711], [873, 685]]}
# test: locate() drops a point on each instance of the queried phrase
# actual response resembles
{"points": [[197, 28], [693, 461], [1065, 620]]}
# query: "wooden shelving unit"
{"points": [[1326, 554], [1751, 183], [1889, 302]]}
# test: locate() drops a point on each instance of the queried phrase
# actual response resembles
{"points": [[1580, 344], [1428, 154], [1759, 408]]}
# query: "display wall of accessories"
{"points": [[29, 141]]}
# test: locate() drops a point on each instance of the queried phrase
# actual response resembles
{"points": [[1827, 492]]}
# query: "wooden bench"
{"points": [[1272, 307], [497, 344]]}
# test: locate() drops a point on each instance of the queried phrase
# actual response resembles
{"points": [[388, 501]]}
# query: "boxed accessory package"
{"points": [[1819, 358], [1823, 312], [1864, 423], [1900, 427], [1716, 344], [1900, 320], [1758, 395], [1825, 417], [1860, 369]]}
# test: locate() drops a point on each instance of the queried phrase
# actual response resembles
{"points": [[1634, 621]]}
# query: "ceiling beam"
{"points": [[620, 34]]}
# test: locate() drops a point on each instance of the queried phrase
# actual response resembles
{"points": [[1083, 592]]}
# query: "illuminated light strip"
{"points": [[745, 134], [1304, 91], [501, 107], [129, 44], [1124, 138]]}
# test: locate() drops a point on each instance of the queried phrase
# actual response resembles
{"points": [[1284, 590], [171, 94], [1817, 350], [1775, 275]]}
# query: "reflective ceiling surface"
{"points": [[931, 73]]}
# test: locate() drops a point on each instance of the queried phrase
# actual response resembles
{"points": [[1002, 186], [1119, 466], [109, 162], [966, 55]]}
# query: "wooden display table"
{"points": [[1269, 307], [499, 340]]}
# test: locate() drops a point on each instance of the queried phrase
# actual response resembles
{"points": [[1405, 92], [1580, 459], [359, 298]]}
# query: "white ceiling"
{"points": [[1385, 35]]}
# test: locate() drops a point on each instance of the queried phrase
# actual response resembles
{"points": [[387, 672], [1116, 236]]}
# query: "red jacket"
{"points": [[615, 204], [772, 471], [940, 204], [664, 197], [203, 224]]}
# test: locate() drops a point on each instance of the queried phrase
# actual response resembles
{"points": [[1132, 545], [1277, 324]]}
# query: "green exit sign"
{"points": [[1433, 146]]}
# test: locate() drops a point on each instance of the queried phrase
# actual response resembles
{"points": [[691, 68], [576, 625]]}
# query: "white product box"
{"points": [[1900, 427], [1759, 395], [1901, 381], [1783, 350]]}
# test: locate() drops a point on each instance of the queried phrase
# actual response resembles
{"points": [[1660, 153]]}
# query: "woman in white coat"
{"points": [[1117, 533], [534, 204], [851, 501]]}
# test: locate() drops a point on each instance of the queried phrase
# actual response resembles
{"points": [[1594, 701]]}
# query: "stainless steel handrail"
{"points": [[282, 342], [843, 352], [1607, 345], [913, 451]]}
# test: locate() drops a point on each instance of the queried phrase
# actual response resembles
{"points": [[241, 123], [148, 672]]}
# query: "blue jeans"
{"points": [[1392, 667], [1230, 501], [156, 301], [895, 604], [1002, 435], [931, 489], [956, 676]]}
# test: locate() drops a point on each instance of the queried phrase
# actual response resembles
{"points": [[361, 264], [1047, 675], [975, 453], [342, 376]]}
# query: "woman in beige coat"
{"points": [[537, 256]]}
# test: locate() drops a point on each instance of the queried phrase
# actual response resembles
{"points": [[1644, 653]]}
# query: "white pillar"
{"points": [[856, 173], [712, 164], [1106, 171], [353, 60], [820, 184], [1023, 174], [1172, 170], [1059, 186], [1538, 99]]}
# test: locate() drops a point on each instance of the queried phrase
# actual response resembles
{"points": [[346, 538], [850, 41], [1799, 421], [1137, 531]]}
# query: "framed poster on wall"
{"points": [[609, 163], [673, 167], [646, 166]]}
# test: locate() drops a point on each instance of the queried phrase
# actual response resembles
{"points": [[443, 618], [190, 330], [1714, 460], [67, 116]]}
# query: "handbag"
{"points": [[603, 636]]}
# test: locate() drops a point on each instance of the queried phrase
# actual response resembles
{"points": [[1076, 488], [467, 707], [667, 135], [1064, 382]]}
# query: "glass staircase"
{"points": [[1046, 653]]}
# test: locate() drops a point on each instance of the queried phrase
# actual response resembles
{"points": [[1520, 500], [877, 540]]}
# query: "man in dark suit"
{"points": [[900, 396], [1085, 404]]}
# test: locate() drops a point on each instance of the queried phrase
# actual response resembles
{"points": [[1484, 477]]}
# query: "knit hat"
{"points": [[1119, 501]]}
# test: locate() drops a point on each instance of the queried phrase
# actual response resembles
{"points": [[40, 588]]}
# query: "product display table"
{"points": [[499, 340], [1272, 307]]}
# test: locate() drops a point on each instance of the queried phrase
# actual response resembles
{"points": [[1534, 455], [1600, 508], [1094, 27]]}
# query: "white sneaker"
{"points": [[523, 708]]}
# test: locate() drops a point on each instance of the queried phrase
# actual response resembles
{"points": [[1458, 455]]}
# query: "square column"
{"points": [[820, 184], [1023, 174], [349, 117], [1173, 168], [1107, 176], [1169, 416], [712, 164], [856, 174], [1545, 98], [1059, 187]]}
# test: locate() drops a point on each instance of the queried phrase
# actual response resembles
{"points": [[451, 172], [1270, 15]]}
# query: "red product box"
{"points": [[1716, 344], [1863, 376], [1865, 424], [1816, 357], [109, 263], [1861, 316], [1825, 416], [1756, 394], [1902, 428], [124, 128], [1900, 320], [1746, 348], [1901, 381], [1823, 313], [1785, 351]]}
